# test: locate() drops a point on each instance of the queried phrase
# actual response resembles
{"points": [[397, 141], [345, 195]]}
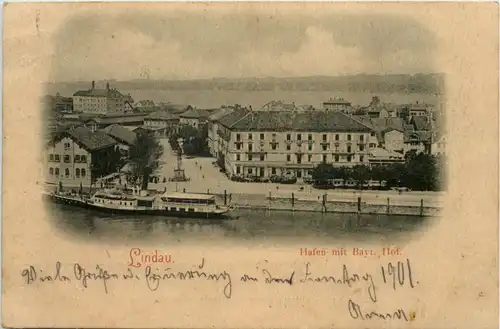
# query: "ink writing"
{"points": [[391, 278]]}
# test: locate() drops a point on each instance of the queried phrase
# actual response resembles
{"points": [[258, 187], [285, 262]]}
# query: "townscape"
{"points": [[101, 137]]}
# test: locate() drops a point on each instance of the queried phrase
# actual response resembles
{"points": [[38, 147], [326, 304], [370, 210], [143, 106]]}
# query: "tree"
{"points": [[144, 156], [105, 162], [173, 141], [361, 174], [194, 140], [323, 172]]}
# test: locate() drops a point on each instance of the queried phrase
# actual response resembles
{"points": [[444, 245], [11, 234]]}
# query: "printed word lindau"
{"points": [[139, 257]]}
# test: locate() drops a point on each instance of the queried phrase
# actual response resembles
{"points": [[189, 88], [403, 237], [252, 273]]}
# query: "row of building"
{"points": [[278, 139], [283, 142]]}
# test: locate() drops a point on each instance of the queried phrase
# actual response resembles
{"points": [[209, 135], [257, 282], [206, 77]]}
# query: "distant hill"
{"points": [[397, 83]]}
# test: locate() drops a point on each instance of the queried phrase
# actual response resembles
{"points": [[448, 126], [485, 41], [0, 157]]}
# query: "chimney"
{"points": [[93, 84], [107, 85]]}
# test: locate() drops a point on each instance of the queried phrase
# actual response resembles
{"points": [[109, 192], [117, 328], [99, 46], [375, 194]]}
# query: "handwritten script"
{"points": [[392, 276]]}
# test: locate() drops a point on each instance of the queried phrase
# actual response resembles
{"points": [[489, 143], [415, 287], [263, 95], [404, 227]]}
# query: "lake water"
{"points": [[216, 98], [277, 228]]}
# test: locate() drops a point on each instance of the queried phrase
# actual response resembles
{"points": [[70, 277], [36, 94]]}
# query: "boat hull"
{"points": [[82, 203]]}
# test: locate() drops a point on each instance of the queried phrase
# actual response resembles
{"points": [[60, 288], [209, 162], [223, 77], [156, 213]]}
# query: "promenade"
{"points": [[205, 177]]}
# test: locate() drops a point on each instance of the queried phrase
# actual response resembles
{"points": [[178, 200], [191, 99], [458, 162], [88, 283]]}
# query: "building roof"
{"points": [[99, 93], [381, 153], [163, 115], [123, 119], [216, 115], [230, 118], [418, 136], [375, 109], [418, 107], [313, 121], [145, 103], [279, 105], [175, 108], [386, 124], [87, 139], [121, 134], [147, 128], [421, 123], [193, 113]]}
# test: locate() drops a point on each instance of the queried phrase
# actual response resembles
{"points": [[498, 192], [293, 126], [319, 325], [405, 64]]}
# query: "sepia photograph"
{"points": [[292, 127], [250, 165]]}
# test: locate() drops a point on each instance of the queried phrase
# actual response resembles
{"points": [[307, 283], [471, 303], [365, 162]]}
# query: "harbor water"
{"points": [[276, 227]]}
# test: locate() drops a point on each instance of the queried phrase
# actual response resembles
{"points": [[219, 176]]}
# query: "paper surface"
{"points": [[254, 272]]}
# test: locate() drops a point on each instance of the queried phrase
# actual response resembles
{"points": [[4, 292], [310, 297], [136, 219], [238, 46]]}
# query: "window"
{"points": [[299, 137], [77, 158], [324, 147], [310, 137], [262, 157], [238, 137], [57, 171], [51, 157], [273, 171], [83, 158], [324, 137], [337, 158], [82, 172], [324, 157], [337, 137], [309, 158], [67, 159], [274, 136], [250, 147], [288, 147], [288, 157], [250, 137], [373, 145], [349, 158], [77, 172], [372, 134], [237, 157], [57, 158], [238, 170], [273, 146], [361, 137], [361, 158], [250, 171], [66, 172], [261, 136], [361, 147], [238, 146], [250, 158], [51, 171], [310, 147], [348, 137], [348, 149], [67, 146], [288, 137], [299, 158]]}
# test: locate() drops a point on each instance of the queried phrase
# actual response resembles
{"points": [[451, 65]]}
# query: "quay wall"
{"points": [[261, 201], [410, 204]]}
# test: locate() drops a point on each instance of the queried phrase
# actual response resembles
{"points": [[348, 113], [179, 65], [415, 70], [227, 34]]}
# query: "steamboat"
{"points": [[174, 204]]}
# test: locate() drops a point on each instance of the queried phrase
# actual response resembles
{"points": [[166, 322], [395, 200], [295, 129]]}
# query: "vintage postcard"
{"points": [[250, 165]]}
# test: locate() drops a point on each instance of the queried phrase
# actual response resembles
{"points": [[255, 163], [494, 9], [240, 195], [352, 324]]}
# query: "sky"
{"points": [[190, 45]]}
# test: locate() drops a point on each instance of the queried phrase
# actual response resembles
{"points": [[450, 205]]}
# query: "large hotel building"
{"points": [[266, 143]]}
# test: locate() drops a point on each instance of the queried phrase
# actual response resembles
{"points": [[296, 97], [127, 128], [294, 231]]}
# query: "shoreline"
{"points": [[347, 207], [349, 202]]}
